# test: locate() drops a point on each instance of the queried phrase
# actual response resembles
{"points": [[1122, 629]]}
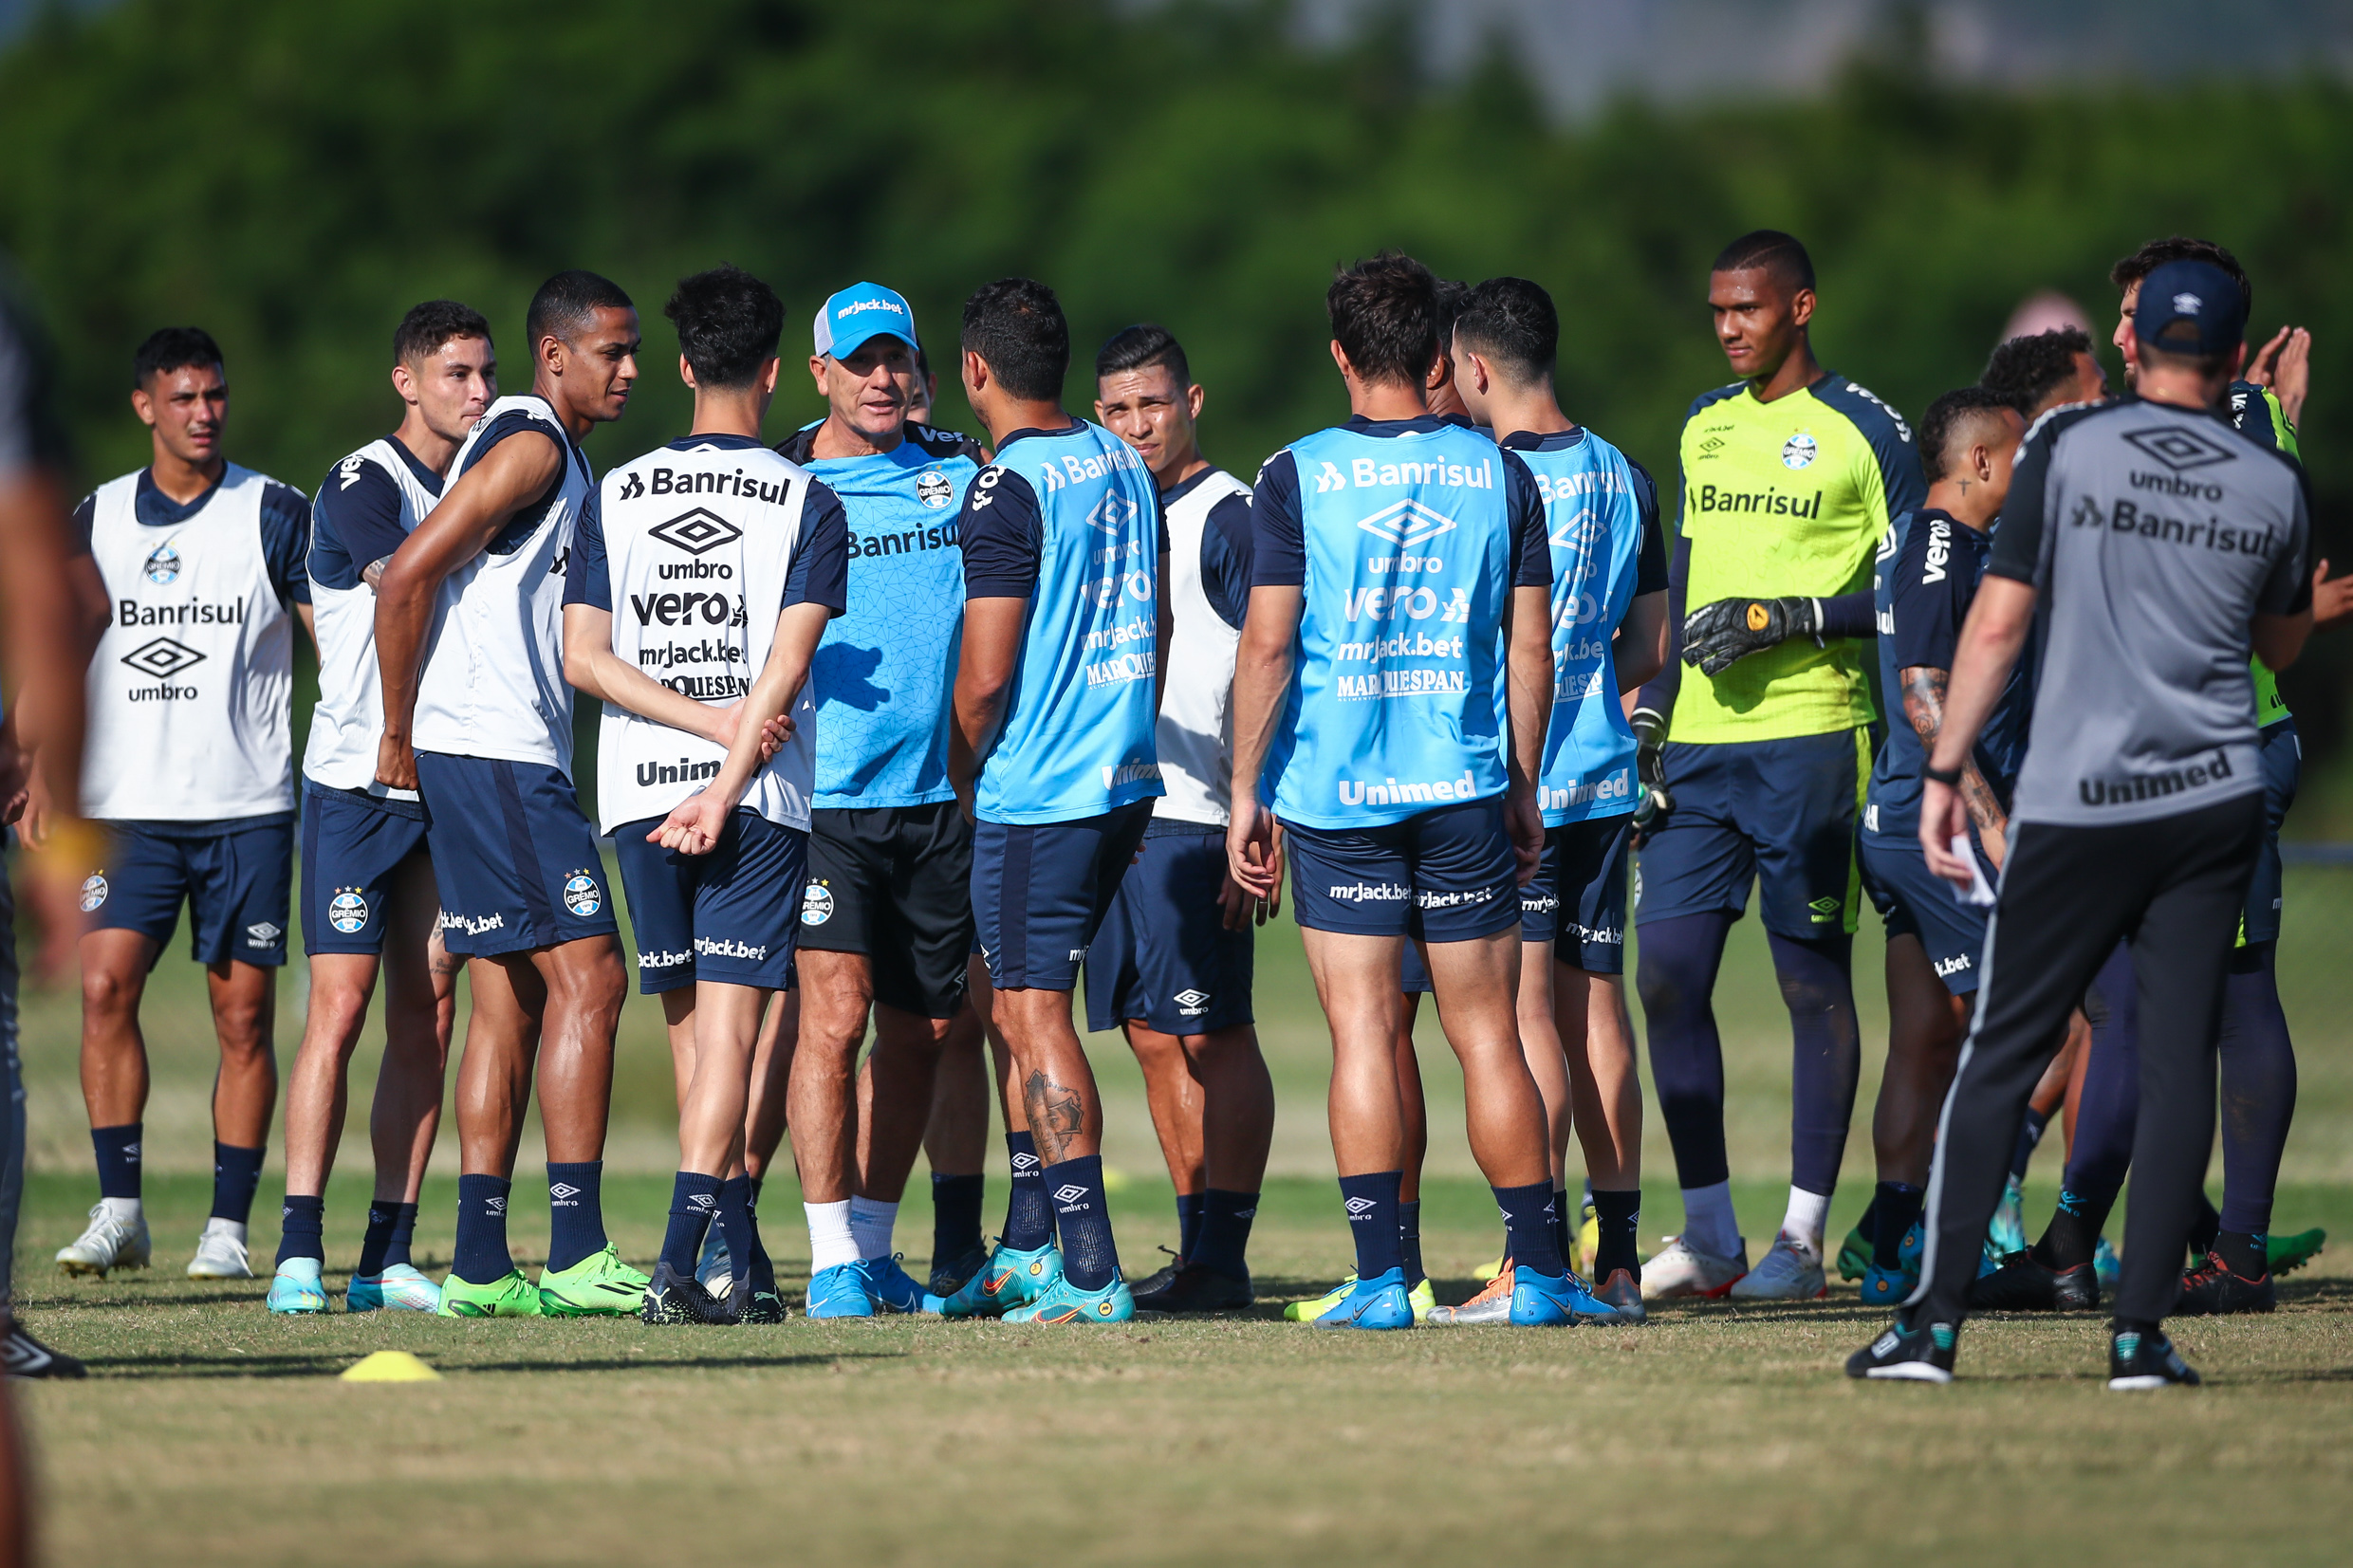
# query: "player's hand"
{"points": [[1717, 635], [1250, 856], [693, 824], [396, 763], [1943, 818], [1650, 770], [32, 828], [15, 777], [2332, 599], [1524, 819], [2284, 365]]}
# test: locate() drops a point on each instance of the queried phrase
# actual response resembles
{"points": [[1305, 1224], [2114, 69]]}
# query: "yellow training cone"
{"points": [[390, 1366]]}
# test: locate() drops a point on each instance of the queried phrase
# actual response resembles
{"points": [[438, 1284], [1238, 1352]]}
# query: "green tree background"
{"points": [[293, 176]]}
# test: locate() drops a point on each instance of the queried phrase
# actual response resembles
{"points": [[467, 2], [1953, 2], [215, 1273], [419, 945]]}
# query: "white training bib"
{"points": [[349, 720], [191, 683], [1196, 733], [699, 541], [492, 682]]}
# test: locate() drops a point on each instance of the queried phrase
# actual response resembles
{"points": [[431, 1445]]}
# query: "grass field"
{"points": [[210, 1432]]}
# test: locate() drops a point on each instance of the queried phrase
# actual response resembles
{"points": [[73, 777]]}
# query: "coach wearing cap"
{"points": [[2159, 546]]}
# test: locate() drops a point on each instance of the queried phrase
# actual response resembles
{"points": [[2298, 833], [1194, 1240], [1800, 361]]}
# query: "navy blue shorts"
{"points": [[237, 881], [350, 851], [1040, 890], [1587, 863], [1441, 875], [729, 916], [1540, 899], [1892, 914], [1779, 813], [1164, 956], [516, 862], [1952, 933], [2283, 766]]}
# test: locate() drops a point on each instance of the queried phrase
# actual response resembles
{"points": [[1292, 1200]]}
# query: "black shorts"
{"points": [[1587, 863], [895, 884]]}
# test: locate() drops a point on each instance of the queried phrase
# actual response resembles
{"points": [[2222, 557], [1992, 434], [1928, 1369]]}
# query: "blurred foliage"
{"points": [[293, 176]]}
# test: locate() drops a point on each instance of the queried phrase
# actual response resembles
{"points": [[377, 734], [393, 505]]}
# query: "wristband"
{"points": [[1949, 777]]}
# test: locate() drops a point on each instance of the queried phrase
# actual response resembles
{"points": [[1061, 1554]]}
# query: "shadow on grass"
{"points": [[144, 1298], [185, 1368]]}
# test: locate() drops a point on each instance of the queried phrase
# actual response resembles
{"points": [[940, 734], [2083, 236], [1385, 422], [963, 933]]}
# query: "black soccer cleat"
{"points": [[675, 1298], [763, 1306], [1157, 1282], [2210, 1290], [1193, 1287], [2026, 1283], [2140, 1359], [1907, 1354], [26, 1356], [949, 1275]]}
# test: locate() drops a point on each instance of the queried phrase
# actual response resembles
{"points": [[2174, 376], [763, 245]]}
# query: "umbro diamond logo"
{"points": [[497, 1206], [1407, 523], [162, 657], [262, 933], [700, 1200], [1069, 1194], [1359, 1206], [696, 532], [563, 1191], [1022, 1162], [2179, 448]]}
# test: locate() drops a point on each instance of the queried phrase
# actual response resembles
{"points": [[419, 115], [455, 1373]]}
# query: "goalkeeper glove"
{"points": [[1716, 635], [1650, 766]]}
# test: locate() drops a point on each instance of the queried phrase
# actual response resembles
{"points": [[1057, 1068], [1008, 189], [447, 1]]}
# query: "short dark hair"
{"points": [[2026, 370], [1452, 292], [730, 324], [427, 326], [565, 303], [2181, 247], [1139, 347], [1511, 321], [1385, 315], [170, 348], [1951, 417], [1770, 251], [1017, 327]]}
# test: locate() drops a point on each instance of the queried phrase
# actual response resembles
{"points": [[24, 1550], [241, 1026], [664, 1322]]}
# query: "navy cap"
{"points": [[2196, 292]]}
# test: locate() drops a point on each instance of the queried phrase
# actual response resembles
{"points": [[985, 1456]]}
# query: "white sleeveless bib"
{"points": [[1196, 733], [349, 720]]}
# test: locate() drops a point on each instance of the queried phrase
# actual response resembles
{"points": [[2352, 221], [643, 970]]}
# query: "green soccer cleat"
{"points": [[1064, 1303], [1008, 1280], [600, 1285], [512, 1297], [2285, 1254], [1854, 1259]]}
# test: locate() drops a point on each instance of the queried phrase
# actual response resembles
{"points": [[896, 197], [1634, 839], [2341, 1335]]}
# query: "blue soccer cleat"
{"points": [[295, 1288], [2105, 1267], [1064, 1303], [889, 1285], [1886, 1288], [839, 1292], [1379, 1303], [398, 1288], [1010, 1279], [1542, 1300]]}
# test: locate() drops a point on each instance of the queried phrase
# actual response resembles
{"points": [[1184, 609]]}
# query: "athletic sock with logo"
{"points": [[1619, 1218], [955, 1216], [480, 1255], [376, 1246], [1082, 1220], [118, 1160], [2073, 1233], [1223, 1244], [831, 1243], [1409, 1239], [1806, 1217], [1897, 1208], [748, 1261], [236, 1172], [575, 1211], [871, 1222], [302, 1228], [2029, 1136], [2243, 1254], [694, 1203], [1028, 1217], [1527, 1225], [1376, 1222], [1709, 1226], [1564, 1226], [1189, 1210]]}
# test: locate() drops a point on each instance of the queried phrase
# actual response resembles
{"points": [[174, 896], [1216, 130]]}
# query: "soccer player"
{"points": [[1173, 967], [2045, 371], [1400, 575], [887, 918], [1057, 687], [478, 720], [688, 677], [1929, 570], [2140, 804], [1790, 477], [188, 767], [369, 903], [1609, 628]]}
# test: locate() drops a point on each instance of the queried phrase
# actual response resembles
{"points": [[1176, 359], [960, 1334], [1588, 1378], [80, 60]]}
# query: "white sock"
{"points": [[123, 1208], [1808, 1216], [871, 1222], [830, 1242], [1708, 1221]]}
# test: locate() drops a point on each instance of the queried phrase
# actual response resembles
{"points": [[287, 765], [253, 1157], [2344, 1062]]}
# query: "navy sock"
{"points": [[955, 1216], [1817, 985], [1082, 1219], [2030, 1135], [302, 1228], [694, 1203], [481, 1257], [1527, 1223], [2073, 1233], [1376, 1222], [756, 1182], [575, 1213], [739, 1222], [235, 1173], [1564, 1228], [1409, 1239], [117, 1159], [1896, 1207], [1620, 1218], [2244, 1254], [374, 1247], [1028, 1217], [1224, 1239], [1190, 1206], [402, 1236]]}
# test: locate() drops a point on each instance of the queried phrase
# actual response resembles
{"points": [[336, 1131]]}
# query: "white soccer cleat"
{"points": [[715, 1270], [1681, 1269], [220, 1252], [1789, 1271], [398, 1288], [117, 1238]]}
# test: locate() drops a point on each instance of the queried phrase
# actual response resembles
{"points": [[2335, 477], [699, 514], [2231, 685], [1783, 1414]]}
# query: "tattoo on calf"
{"points": [[1056, 1114]]}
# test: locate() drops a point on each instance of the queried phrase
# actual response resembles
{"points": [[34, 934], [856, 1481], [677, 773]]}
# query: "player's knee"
{"points": [[109, 992]]}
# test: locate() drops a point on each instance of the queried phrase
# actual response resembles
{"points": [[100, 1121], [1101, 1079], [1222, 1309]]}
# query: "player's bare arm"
{"points": [[594, 670], [1528, 631], [1262, 675], [1990, 639], [694, 826], [992, 632], [1924, 690]]}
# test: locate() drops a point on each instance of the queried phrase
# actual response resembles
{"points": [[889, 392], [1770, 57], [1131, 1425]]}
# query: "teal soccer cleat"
{"points": [[1379, 1303], [295, 1289], [839, 1292], [1008, 1280]]}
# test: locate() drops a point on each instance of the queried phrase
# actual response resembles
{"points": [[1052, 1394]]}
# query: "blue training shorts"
{"points": [[516, 862], [1779, 813], [237, 878], [1041, 891], [352, 843], [1441, 875], [1586, 864], [1915, 901], [1164, 956], [729, 916]]}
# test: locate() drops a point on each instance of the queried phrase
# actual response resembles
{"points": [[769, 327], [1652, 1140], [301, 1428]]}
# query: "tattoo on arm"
{"points": [[1056, 1114], [1924, 689]]}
